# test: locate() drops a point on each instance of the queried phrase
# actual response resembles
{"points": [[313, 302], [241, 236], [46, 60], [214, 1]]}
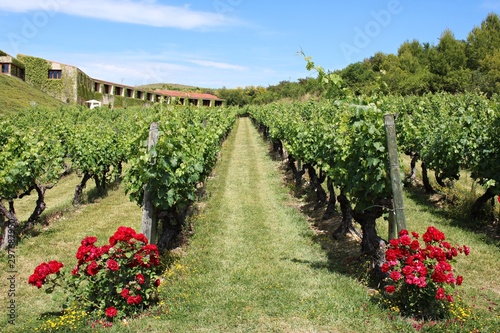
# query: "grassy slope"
{"points": [[16, 95]]}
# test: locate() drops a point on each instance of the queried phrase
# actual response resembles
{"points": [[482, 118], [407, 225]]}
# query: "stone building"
{"points": [[71, 85]]}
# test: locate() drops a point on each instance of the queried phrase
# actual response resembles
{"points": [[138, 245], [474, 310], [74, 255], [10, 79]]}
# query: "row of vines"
{"points": [[344, 144], [40, 146]]}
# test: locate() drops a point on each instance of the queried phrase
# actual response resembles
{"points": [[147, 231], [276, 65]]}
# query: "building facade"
{"points": [[11, 66], [71, 85]]}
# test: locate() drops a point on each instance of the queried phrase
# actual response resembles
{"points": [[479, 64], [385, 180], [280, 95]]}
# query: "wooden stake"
{"points": [[149, 222], [397, 191]]}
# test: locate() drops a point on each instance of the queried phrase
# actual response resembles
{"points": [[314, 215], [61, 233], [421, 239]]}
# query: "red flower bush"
{"points": [[117, 279], [418, 275], [42, 271]]}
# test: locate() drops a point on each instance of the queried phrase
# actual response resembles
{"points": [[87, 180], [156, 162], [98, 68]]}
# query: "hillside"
{"points": [[177, 87], [16, 95]]}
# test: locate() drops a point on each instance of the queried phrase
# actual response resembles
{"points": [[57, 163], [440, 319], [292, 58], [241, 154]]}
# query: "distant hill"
{"points": [[17, 95], [177, 87]]}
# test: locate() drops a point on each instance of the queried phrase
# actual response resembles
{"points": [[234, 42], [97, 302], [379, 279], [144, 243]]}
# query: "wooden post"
{"points": [[393, 232], [149, 223], [397, 191]]}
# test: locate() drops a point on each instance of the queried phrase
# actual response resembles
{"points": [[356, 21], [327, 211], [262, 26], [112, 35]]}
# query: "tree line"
{"points": [[418, 68]]}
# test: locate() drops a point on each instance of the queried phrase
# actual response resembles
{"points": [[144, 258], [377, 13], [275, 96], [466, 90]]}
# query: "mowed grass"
{"points": [[17, 95], [253, 263]]}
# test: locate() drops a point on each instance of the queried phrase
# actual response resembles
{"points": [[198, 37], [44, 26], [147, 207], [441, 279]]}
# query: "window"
{"points": [[5, 68], [107, 88], [55, 74]]}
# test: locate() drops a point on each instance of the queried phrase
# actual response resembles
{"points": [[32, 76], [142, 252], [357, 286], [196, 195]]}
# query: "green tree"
{"points": [[482, 41], [359, 77], [448, 64]]}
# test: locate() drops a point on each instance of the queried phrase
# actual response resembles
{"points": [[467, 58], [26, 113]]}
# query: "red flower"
{"points": [[55, 266], [111, 312], [42, 270], [395, 275], [391, 255], [157, 283], [498, 198], [75, 271], [440, 293], [415, 245], [35, 281], [125, 293], [123, 234], [403, 232], [390, 289], [407, 270], [466, 250], [433, 234], [141, 238], [460, 279], [415, 235], [405, 240], [112, 265], [89, 240], [93, 268], [438, 276], [394, 242], [134, 300], [140, 278]]}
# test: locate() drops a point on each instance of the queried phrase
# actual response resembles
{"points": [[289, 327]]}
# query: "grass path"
{"points": [[252, 265]]}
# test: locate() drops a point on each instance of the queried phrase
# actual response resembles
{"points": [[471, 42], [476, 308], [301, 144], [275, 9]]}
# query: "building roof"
{"points": [[175, 93]]}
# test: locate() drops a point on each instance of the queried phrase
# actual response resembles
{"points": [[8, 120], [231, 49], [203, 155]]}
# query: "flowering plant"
{"points": [[419, 277], [116, 279]]}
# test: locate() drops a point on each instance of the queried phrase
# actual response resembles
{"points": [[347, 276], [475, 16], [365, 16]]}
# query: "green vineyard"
{"points": [[244, 237]]}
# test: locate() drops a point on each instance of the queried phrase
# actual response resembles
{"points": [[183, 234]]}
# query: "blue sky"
{"points": [[231, 43]]}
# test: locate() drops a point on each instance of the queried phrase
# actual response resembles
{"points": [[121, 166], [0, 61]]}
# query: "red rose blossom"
{"points": [[89, 240], [111, 312], [395, 275], [112, 265], [390, 289], [440, 293], [125, 293], [93, 268], [134, 300], [140, 278], [55, 266]]}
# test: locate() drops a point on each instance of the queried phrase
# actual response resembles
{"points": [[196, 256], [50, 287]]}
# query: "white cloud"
{"points": [[139, 67], [146, 12], [219, 65]]}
